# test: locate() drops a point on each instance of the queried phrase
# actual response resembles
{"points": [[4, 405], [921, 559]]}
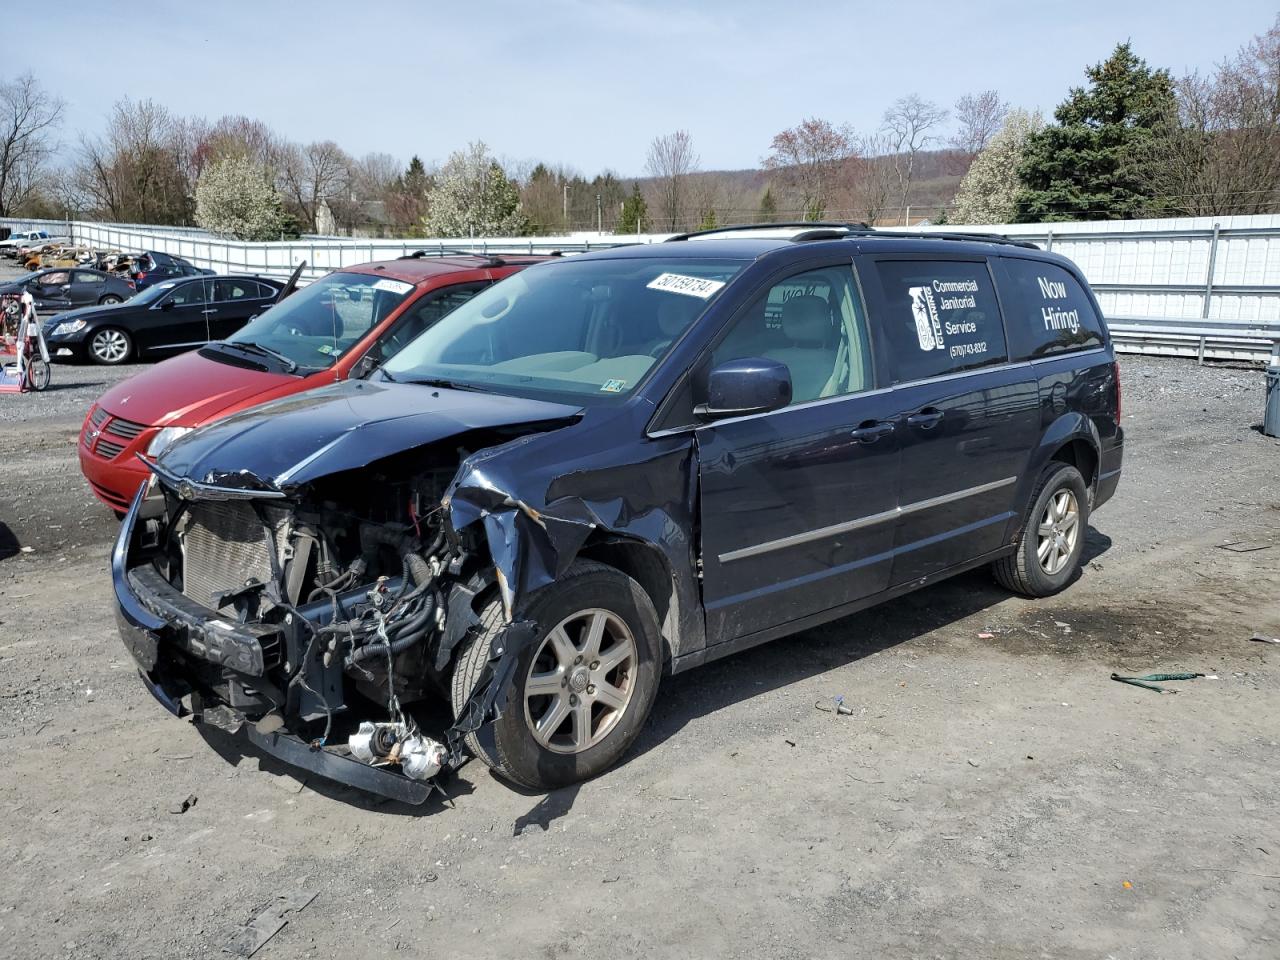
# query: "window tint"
{"points": [[188, 294], [1049, 312], [940, 317], [87, 278], [423, 315], [234, 289], [269, 292], [812, 322]]}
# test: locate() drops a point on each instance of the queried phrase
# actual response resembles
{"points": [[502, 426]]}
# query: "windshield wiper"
{"points": [[250, 347], [444, 384]]}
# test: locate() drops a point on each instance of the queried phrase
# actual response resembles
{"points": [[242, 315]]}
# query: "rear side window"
{"points": [[940, 317], [1049, 312]]}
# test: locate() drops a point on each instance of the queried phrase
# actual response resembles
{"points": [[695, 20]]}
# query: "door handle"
{"points": [[926, 419], [871, 430], [208, 311]]}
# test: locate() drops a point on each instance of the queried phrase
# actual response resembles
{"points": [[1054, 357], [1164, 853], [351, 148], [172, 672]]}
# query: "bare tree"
{"points": [[28, 118], [978, 117], [135, 170], [808, 158], [908, 126], [875, 178], [671, 159], [1217, 152], [319, 172]]}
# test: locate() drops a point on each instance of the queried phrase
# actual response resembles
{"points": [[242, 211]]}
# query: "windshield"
{"points": [[323, 320], [152, 293], [586, 327]]}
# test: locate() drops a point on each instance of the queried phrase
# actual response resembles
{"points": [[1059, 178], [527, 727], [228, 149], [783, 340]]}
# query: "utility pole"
{"points": [[564, 208], [599, 216]]}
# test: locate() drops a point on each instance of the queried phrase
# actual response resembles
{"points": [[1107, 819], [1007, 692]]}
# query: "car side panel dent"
{"points": [[540, 504]]}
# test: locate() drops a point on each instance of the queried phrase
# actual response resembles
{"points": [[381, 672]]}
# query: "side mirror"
{"points": [[167, 305], [748, 385], [367, 364]]}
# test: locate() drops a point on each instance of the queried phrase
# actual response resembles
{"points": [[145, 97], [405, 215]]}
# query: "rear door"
{"points": [[966, 417], [87, 287], [233, 302], [797, 505]]}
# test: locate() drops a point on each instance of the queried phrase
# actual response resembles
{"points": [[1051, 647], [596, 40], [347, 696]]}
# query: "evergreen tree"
{"points": [[768, 206], [1088, 165], [709, 220], [635, 213]]}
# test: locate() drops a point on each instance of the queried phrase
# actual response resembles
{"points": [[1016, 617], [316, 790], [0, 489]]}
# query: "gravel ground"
{"points": [[992, 797]]}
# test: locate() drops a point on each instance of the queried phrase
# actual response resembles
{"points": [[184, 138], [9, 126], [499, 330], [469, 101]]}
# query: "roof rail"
{"points": [[972, 237], [812, 224], [493, 261]]}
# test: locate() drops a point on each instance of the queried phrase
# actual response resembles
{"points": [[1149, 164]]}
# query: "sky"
{"points": [[589, 84]]}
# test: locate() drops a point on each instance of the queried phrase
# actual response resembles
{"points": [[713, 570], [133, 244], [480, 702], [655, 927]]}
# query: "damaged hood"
{"points": [[299, 439]]}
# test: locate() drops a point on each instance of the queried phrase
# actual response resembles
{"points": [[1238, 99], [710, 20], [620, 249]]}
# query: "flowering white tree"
{"points": [[988, 190], [473, 197], [235, 197]]}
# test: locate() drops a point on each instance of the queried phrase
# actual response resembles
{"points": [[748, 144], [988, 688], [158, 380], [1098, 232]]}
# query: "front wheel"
{"points": [[110, 346], [1052, 538], [581, 692], [110, 299]]}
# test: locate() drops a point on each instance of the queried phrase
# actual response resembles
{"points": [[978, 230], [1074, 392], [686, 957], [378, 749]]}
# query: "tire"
{"points": [[589, 741], [110, 299], [39, 374], [109, 346], [1050, 545]]}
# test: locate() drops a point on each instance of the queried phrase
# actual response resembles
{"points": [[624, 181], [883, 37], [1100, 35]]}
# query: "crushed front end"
{"points": [[308, 619]]}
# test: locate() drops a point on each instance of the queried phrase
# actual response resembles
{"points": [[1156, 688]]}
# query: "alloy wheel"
{"points": [[1059, 530], [109, 346], [580, 681]]}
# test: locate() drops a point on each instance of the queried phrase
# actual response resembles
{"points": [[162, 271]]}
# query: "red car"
{"points": [[342, 325]]}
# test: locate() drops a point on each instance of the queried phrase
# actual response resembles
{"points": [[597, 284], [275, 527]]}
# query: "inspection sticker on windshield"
{"points": [[393, 286], [690, 286], [613, 386]]}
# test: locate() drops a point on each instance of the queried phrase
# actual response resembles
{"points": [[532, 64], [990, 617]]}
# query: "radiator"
{"points": [[225, 545]]}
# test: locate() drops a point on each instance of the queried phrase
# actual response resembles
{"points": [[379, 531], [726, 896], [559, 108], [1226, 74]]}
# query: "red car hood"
{"points": [[187, 390]]}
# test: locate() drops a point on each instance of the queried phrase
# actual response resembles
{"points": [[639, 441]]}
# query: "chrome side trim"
{"points": [[835, 529]]}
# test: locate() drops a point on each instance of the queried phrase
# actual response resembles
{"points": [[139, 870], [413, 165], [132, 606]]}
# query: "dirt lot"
{"points": [[989, 798]]}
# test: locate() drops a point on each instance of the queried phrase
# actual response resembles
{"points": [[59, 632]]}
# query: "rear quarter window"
{"points": [[1047, 310], [939, 317]]}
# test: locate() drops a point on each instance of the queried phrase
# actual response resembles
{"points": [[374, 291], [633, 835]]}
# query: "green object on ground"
{"points": [[1148, 682]]}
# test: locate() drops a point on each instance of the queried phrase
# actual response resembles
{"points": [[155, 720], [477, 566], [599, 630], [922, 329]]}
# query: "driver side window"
{"points": [[815, 324]]}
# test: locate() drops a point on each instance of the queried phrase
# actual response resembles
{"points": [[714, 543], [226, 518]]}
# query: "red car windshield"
{"points": [[325, 319]]}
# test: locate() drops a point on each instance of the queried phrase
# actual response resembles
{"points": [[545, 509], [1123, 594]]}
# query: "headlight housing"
{"points": [[164, 439], [71, 326]]}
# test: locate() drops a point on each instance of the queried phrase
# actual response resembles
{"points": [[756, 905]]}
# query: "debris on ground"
{"points": [[1150, 681], [1263, 638], [250, 938], [986, 635], [834, 705], [1244, 546], [184, 805]]}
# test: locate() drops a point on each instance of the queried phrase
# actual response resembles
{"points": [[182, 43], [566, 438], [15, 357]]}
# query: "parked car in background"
{"points": [[342, 325], [629, 462], [162, 320], [30, 253], [9, 246], [66, 288], [152, 267]]}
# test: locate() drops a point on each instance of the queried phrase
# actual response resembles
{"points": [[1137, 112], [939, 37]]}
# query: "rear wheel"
{"points": [[38, 374], [581, 692], [109, 299], [110, 346], [1052, 539]]}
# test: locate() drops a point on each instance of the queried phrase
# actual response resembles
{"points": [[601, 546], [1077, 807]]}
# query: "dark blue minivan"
{"points": [[611, 466]]}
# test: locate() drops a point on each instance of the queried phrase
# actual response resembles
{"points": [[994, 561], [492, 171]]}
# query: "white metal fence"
{"points": [[1220, 269]]}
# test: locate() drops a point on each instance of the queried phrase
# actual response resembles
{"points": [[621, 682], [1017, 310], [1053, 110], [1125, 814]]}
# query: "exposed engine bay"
{"points": [[351, 595]]}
